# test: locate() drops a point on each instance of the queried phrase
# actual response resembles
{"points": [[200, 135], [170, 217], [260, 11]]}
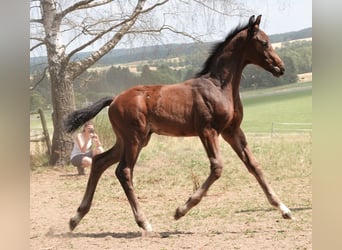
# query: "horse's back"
{"points": [[162, 109]]}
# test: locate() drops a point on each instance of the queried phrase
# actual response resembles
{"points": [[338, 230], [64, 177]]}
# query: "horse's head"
{"points": [[259, 50]]}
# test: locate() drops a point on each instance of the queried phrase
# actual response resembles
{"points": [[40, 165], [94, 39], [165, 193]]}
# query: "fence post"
{"points": [[45, 130]]}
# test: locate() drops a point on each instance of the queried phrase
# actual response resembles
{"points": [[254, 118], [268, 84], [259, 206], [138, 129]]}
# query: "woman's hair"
{"points": [[90, 122]]}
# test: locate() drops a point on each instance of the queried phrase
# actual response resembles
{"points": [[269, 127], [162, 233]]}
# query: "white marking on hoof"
{"points": [[148, 227], [286, 213]]}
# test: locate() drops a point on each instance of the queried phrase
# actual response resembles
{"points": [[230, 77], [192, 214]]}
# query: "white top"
{"points": [[77, 150]]}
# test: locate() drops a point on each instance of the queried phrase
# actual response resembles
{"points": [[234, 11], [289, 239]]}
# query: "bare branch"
{"points": [[40, 80], [94, 39], [101, 34], [37, 39], [79, 67], [38, 20], [36, 46], [75, 6], [41, 42], [165, 27], [95, 5], [216, 10], [85, 4], [154, 6]]}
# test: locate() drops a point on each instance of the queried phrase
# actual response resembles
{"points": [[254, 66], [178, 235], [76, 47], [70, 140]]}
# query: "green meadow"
{"points": [[287, 104]]}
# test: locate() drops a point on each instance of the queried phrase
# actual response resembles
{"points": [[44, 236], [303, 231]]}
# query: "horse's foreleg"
{"points": [[100, 163], [211, 145], [239, 144], [124, 173]]}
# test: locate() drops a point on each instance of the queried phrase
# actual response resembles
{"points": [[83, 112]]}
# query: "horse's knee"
{"points": [[119, 172], [123, 174], [217, 172], [216, 168]]}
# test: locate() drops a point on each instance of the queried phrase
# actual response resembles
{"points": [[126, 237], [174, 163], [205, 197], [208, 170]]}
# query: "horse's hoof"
{"points": [[287, 216], [178, 214], [72, 224], [285, 212], [150, 234]]}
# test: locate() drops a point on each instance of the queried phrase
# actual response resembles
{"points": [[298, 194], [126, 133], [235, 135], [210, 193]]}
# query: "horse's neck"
{"points": [[230, 80]]}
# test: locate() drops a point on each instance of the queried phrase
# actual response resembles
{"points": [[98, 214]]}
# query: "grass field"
{"points": [[292, 104]]}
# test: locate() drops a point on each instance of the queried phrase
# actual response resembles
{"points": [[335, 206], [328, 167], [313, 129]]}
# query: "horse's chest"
{"points": [[220, 114], [223, 115]]}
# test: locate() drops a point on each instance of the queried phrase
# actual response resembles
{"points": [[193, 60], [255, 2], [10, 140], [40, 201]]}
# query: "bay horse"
{"points": [[206, 106]]}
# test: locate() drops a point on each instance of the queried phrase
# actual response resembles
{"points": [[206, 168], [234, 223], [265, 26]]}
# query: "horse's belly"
{"points": [[172, 128]]}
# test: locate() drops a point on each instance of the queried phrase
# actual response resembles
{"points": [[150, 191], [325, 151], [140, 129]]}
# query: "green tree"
{"points": [[146, 75]]}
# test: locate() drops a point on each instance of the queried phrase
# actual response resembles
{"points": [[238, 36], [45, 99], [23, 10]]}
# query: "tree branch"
{"points": [[132, 18], [95, 5], [215, 10], [154, 6], [85, 4], [40, 42], [38, 20], [75, 69], [75, 6], [36, 46], [165, 27], [97, 37], [40, 80]]}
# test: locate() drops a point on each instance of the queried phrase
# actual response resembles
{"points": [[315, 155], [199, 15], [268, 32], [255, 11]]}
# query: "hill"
{"points": [[120, 56]]}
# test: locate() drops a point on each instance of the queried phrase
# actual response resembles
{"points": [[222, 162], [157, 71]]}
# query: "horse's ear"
{"points": [[253, 25], [257, 22], [251, 21]]}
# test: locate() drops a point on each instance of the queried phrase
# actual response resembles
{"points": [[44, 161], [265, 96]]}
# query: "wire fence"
{"points": [[290, 127]]}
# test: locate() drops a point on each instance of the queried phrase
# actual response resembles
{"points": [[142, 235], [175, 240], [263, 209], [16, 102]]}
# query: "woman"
{"points": [[86, 145]]}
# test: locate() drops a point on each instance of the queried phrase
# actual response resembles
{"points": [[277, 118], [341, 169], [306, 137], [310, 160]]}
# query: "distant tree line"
{"points": [[94, 84], [297, 57], [160, 52], [294, 35]]}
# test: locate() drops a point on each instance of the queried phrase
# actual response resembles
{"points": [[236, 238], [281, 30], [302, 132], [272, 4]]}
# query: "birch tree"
{"points": [[64, 28]]}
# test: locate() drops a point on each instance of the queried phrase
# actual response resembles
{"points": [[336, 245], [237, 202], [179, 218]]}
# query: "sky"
{"points": [[283, 16], [278, 16]]}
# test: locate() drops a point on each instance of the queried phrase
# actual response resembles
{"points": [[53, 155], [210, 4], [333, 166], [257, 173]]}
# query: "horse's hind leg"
{"points": [[238, 142], [211, 145], [100, 163], [124, 173]]}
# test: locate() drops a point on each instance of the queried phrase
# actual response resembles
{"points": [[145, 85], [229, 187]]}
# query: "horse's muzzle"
{"points": [[278, 71]]}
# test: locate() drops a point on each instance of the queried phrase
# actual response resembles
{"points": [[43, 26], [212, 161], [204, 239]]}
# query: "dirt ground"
{"points": [[239, 218]]}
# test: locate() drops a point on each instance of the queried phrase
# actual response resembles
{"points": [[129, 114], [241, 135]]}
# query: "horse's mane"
{"points": [[217, 49]]}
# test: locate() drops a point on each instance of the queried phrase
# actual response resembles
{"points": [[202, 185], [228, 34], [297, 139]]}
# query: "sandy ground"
{"points": [[233, 219]]}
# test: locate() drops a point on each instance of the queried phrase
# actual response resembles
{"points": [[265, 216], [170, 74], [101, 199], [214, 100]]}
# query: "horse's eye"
{"points": [[264, 44]]}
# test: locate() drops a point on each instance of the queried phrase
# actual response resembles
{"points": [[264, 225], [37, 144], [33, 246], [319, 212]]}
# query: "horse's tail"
{"points": [[77, 118]]}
